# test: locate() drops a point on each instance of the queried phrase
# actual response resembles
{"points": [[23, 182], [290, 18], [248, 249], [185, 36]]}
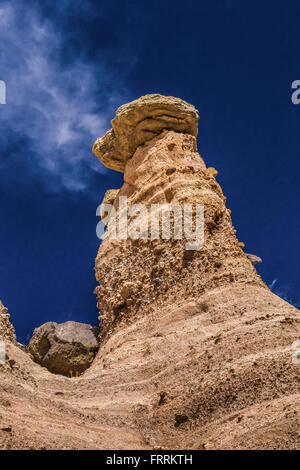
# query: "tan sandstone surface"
{"points": [[196, 351]]}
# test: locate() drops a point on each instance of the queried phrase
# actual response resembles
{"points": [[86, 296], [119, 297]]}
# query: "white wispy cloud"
{"points": [[50, 105], [283, 291], [272, 284]]}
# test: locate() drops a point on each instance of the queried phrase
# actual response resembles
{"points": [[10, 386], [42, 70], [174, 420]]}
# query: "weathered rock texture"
{"points": [[67, 348], [196, 351]]}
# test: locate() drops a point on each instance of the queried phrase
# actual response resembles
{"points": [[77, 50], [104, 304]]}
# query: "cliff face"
{"points": [[195, 351]]}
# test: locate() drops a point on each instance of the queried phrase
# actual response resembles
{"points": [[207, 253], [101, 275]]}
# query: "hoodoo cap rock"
{"points": [[138, 122]]}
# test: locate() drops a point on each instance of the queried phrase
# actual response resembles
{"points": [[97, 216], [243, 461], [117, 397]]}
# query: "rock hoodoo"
{"points": [[200, 325], [67, 348], [196, 352], [167, 169]]}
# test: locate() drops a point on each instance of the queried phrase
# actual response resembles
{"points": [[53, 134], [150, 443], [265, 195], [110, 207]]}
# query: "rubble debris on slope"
{"points": [[138, 122], [67, 348]]}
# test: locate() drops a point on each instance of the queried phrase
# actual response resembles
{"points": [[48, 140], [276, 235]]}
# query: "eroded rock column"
{"points": [[137, 276]]}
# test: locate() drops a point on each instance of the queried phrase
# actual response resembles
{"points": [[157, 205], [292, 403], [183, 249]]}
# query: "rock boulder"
{"points": [[67, 348]]}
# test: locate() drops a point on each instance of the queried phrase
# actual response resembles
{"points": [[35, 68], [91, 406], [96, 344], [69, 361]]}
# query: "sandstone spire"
{"points": [[167, 170]]}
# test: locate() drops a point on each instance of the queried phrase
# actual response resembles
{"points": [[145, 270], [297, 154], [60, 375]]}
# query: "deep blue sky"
{"points": [[69, 64]]}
